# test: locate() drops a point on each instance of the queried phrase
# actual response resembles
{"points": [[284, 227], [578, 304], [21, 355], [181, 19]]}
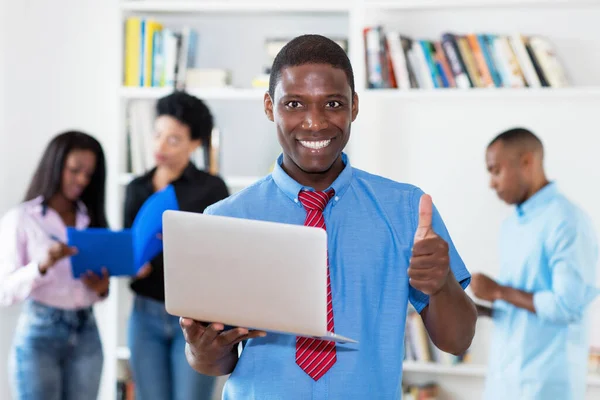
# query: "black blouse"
{"points": [[195, 191]]}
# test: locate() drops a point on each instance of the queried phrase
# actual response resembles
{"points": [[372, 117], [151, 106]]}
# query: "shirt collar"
{"points": [[538, 200], [291, 188]]}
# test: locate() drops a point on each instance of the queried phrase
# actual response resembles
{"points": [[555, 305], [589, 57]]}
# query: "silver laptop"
{"points": [[252, 274]]}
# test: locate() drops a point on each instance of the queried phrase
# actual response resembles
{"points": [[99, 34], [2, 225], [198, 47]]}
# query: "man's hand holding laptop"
{"points": [[212, 350]]}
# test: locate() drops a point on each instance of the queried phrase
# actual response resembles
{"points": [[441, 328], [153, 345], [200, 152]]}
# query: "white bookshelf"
{"points": [[258, 94], [463, 369], [413, 136], [123, 353]]}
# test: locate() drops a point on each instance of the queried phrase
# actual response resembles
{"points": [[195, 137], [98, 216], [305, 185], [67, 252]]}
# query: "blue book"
{"points": [[489, 59], [123, 252], [432, 68], [143, 52]]}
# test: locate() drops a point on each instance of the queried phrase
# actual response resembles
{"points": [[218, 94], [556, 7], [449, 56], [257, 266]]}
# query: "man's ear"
{"points": [[527, 159], [354, 106], [268, 103]]}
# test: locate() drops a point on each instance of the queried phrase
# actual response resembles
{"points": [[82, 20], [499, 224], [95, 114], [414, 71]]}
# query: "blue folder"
{"points": [[123, 252]]}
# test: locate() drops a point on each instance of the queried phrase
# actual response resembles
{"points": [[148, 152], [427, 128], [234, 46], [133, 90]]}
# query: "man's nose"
{"points": [[315, 121]]}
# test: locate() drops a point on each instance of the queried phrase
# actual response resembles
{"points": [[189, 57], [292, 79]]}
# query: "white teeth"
{"points": [[316, 145]]}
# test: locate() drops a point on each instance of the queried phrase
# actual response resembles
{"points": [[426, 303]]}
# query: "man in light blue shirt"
{"points": [[387, 246], [548, 256]]}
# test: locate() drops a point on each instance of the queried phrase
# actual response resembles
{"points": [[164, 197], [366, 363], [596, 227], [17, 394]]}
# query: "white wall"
{"points": [[3, 134], [6, 316], [60, 72]]}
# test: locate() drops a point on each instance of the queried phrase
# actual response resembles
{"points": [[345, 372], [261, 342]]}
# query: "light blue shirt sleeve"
{"points": [[571, 253], [417, 298]]}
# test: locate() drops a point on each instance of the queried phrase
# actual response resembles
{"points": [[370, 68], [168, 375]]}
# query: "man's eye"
{"points": [[293, 104], [334, 104]]}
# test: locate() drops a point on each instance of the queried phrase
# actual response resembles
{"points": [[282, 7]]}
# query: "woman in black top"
{"points": [[160, 370]]}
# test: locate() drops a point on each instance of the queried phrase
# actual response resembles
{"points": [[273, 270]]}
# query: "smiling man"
{"points": [[387, 246]]}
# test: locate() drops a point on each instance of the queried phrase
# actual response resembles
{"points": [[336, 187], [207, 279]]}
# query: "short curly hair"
{"points": [[190, 111], [310, 49]]}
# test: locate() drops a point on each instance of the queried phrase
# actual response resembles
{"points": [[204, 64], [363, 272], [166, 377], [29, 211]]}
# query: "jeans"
{"points": [[56, 354], [158, 364]]}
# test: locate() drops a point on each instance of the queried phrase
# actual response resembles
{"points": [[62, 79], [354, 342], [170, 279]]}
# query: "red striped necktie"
{"points": [[316, 356]]}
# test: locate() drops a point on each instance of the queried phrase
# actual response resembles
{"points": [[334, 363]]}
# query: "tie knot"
{"points": [[315, 200]]}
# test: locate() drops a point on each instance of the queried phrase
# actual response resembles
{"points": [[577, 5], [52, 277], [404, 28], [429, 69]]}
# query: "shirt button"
{"points": [[295, 200], [337, 198]]}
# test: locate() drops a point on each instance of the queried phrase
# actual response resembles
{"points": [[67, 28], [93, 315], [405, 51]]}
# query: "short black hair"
{"points": [[190, 111], [47, 179], [310, 49], [520, 138]]}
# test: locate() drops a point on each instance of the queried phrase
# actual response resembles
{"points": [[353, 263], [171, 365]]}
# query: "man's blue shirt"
{"points": [[371, 222], [547, 247]]}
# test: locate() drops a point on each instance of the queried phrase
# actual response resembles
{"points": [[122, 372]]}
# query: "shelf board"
{"points": [[125, 178], [443, 369], [235, 182], [466, 369], [473, 370], [262, 6], [207, 94], [123, 353], [258, 94], [593, 379], [501, 93], [416, 5]]}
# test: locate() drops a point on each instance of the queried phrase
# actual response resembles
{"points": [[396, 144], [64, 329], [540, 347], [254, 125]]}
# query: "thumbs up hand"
{"points": [[430, 262]]}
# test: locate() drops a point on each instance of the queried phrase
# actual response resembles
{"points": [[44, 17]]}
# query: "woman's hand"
{"points": [[56, 252], [98, 284]]}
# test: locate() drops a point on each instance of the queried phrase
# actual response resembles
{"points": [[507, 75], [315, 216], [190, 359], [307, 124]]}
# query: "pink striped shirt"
{"points": [[26, 234]]}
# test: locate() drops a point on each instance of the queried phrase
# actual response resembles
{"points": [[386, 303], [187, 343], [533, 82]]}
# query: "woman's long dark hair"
{"points": [[47, 180]]}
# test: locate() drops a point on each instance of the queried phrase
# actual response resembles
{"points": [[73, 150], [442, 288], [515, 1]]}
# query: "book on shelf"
{"points": [[419, 347], [156, 56], [594, 360], [471, 60], [125, 389], [125, 386], [427, 391]]}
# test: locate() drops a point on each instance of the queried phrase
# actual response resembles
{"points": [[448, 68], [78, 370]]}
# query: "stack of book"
{"points": [[594, 360], [419, 347], [473, 60], [429, 391], [125, 389], [156, 56]]}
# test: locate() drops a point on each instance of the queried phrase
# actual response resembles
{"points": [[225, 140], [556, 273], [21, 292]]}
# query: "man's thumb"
{"points": [[425, 216]]}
